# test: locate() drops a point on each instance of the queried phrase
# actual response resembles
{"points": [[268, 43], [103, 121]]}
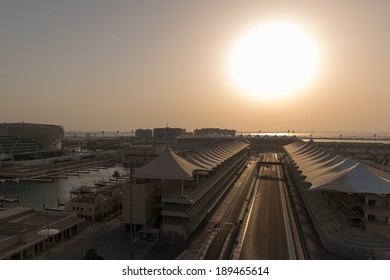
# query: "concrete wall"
{"points": [[142, 203]]}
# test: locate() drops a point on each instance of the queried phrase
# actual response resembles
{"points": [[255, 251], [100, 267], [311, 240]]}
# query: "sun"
{"points": [[274, 60]]}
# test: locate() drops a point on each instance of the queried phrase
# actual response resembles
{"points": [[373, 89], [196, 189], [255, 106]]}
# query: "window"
{"points": [[371, 202], [371, 217]]}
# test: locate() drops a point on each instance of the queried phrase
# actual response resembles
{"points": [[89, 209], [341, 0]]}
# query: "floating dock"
{"points": [[4, 198], [43, 180]]}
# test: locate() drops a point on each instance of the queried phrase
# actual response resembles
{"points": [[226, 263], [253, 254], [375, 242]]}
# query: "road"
{"points": [[267, 234], [223, 242]]}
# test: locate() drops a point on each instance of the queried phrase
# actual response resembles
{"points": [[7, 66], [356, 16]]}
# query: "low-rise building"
{"points": [[144, 134], [206, 131], [97, 204], [141, 154], [167, 133], [25, 232], [202, 141], [28, 140]]}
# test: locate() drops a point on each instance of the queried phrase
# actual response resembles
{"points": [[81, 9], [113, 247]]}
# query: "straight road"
{"points": [[222, 241], [268, 233]]}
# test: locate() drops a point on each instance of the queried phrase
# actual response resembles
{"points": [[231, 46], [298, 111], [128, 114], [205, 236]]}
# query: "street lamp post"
{"points": [[131, 212], [48, 232]]}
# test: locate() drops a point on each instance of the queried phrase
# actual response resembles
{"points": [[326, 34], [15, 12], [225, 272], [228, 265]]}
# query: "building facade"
{"points": [[140, 154], [205, 131], [97, 204], [22, 231], [347, 202], [167, 133], [144, 134], [173, 194], [21, 138]]}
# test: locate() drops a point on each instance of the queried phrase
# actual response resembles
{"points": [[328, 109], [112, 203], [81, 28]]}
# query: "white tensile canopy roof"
{"points": [[334, 173], [331, 169], [194, 159], [169, 166], [213, 157], [356, 179]]}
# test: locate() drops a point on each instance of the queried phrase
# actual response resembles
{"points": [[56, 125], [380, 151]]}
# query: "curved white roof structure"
{"points": [[325, 171], [168, 165], [343, 165], [356, 179], [194, 159], [213, 157]]}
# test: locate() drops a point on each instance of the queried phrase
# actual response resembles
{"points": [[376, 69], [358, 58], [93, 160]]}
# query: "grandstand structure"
{"points": [[349, 205], [172, 194], [28, 138]]}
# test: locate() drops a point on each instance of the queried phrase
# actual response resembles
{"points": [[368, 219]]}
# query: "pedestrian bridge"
{"points": [[265, 163]]}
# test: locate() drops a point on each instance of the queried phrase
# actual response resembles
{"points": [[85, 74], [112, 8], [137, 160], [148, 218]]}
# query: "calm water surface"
{"points": [[34, 194]]}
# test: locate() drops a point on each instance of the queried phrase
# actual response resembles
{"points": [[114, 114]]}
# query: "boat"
{"points": [[81, 190], [101, 184]]}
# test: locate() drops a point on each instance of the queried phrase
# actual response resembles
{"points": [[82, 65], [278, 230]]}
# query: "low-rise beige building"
{"points": [[24, 231], [97, 204]]}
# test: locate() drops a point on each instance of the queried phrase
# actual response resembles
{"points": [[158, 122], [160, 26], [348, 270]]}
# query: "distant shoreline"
{"points": [[365, 137]]}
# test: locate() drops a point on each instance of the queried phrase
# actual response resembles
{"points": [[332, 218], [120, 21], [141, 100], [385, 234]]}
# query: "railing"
{"points": [[200, 210], [205, 187]]}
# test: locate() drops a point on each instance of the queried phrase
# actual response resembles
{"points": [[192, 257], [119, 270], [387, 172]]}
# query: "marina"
{"points": [[5, 198], [53, 189]]}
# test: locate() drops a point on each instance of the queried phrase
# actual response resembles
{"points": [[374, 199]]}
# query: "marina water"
{"points": [[34, 194]]}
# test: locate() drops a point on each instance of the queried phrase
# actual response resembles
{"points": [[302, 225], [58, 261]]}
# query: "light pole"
{"points": [[48, 232], [131, 212]]}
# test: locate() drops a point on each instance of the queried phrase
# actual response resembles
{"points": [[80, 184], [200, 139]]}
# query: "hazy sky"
{"points": [[123, 65]]}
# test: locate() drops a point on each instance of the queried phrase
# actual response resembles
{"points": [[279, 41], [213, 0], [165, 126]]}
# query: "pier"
{"points": [[5, 198], [49, 172], [39, 179]]}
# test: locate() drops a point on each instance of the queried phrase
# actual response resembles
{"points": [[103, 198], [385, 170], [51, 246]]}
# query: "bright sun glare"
{"points": [[274, 60]]}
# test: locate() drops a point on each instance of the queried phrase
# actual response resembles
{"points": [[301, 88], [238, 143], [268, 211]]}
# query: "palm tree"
{"points": [[116, 175], [92, 254]]}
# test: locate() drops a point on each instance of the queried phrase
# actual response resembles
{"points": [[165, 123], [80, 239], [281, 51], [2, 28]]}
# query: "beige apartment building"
{"points": [[97, 204]]}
